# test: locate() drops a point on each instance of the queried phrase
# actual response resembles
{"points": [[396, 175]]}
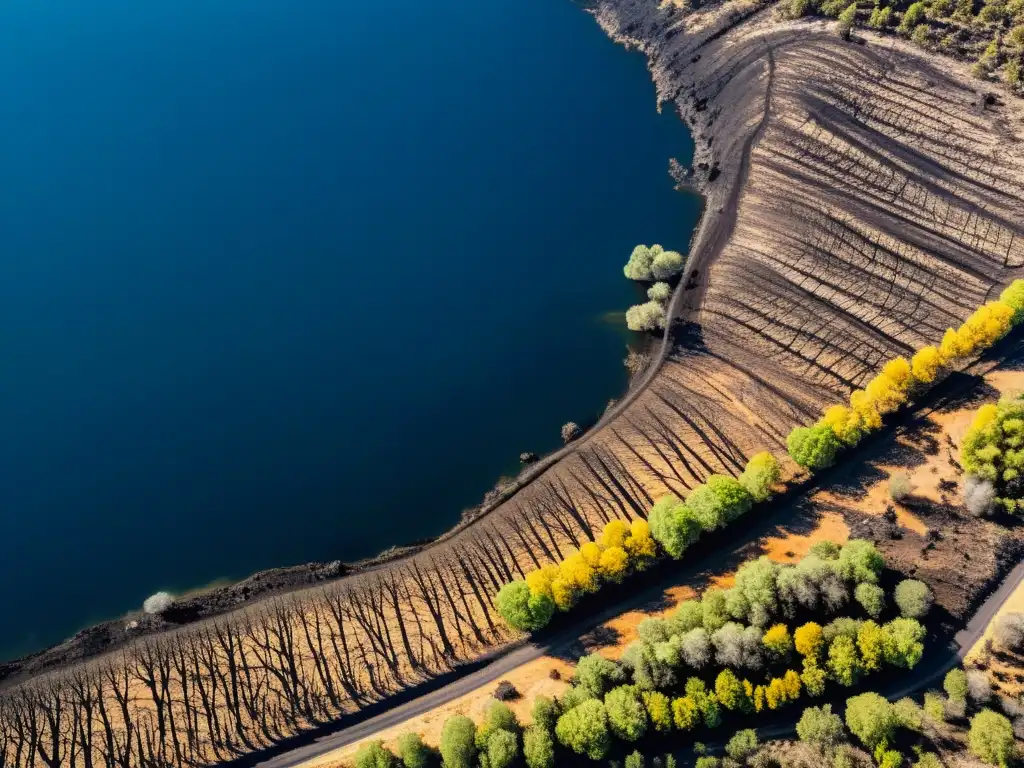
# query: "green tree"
{"points": [[666, 264], [634, 760], [538, 747], [584, 730], [719, 501], [523, 610], [414, 753], [913, 16], [544, 712], [375, 755], [659, 292], [639, 265], [742, 745], [905, 643], [880, 17], [502, 748], [753, 598], [991, 448], [627, 716], [458, 742], [955, 684], [913, 598], [813, 447], [497, 717], [935, 706], [645, 317], [713, 612], [991, 738], [760, 474], [859, 561], [1013, 295], [819, 726], [871, 598], [909, 714], [843, 662], [673, 525], [846, 21], [871, 719], [813, 678], [596, 674]]}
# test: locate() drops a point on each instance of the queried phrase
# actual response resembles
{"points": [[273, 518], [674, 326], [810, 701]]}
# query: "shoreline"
{"points": [[200, 603]]}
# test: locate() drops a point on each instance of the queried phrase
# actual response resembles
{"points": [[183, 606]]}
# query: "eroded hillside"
{"points": [[865, 197]]}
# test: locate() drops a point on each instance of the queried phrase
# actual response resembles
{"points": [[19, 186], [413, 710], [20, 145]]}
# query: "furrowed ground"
{"points": [[865, 197]]}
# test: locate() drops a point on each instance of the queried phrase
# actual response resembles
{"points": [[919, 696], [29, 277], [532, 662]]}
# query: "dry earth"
{"points": [[861, 197]]}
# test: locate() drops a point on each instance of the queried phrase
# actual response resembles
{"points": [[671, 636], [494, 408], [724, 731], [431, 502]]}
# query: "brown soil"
{"points": [[860, 199]]}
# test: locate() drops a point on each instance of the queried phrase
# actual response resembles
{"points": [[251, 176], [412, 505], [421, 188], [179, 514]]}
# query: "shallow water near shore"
{"points": [[283, 282]]}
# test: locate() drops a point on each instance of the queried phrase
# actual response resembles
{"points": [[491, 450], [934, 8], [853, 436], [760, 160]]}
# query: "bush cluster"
{"points": [[992, 455], [816, 447], [652, 263], [626, 547], [528, 604], [731, 651]]}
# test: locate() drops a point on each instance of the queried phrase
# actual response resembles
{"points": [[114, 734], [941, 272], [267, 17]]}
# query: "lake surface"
{"points": [[292, 281]]}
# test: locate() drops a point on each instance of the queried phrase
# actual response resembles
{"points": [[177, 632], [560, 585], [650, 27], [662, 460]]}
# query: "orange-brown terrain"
{"points": [[861, 197]]}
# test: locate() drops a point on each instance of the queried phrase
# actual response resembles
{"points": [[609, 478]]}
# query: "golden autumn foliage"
{"points": [[539, 581], [639, 545], [891, 388], [621, 547], [614, 564], [614, 534], [925, 365], [809, 640]]}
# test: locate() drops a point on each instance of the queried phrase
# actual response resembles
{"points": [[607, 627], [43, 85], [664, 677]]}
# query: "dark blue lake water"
{"points": [[291, 281]]}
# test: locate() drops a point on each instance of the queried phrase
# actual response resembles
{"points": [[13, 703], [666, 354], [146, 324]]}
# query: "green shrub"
{"points": [[414, 753], [375, 755], [913, 598], [871, 719], [634, 760], [521, 609], [584, 730], [955, 685], [871, 598], [860, 562], [913, 16], [627, 716], [597, 675], [880, 17], [991, 738], [742, 744], [813, 447], [719, 501], [538, 747], [819, 726], [458, 742], [673, 525], [645, 317], [760, 474], [659, 292]]}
